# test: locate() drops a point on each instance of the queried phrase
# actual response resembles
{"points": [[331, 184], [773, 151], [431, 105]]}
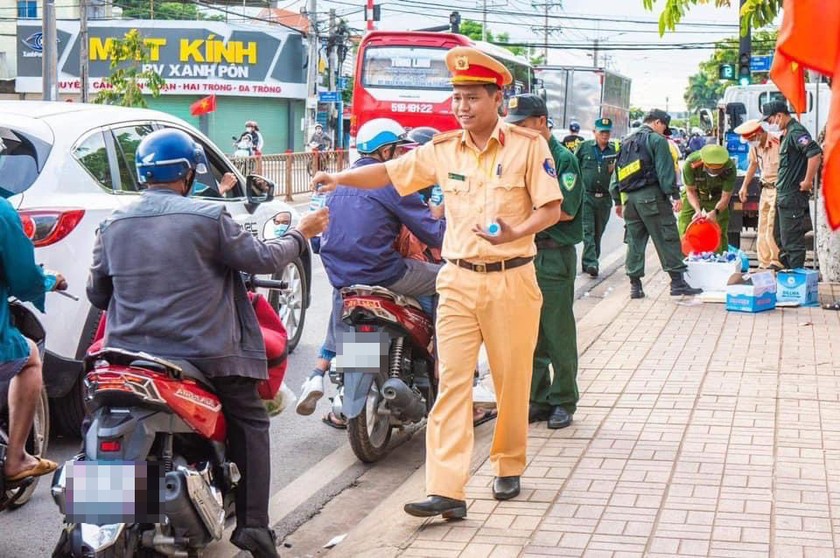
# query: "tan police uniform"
{"points": [[513, 174]]}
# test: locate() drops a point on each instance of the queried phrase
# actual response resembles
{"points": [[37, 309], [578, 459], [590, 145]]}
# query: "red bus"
{"points": [[402, 75]]}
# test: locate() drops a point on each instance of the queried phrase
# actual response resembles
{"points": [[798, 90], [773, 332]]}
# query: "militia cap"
{"points": [[603, 125], [521, 107], [470, 66], [714, 155]]}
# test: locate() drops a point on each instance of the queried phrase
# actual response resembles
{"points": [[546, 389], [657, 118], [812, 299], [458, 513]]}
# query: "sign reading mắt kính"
{"points": [[194, 57]]}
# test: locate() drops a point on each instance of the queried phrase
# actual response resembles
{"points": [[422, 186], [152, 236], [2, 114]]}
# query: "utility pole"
{"points": [[545, 43], [312, 74], [84, 58], [595, 54], [369, 13], [49, 62], [484, 21], [546, 28], [332, 54]]}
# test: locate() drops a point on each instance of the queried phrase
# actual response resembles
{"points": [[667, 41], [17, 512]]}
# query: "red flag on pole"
{"points": [[798, 49], [203, 106]]}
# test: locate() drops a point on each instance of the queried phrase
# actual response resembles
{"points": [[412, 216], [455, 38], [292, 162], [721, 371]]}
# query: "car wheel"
{"points": [[290, 304], [69, 410]]}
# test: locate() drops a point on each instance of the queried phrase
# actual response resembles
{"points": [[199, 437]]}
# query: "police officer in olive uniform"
{"points": [[709, 177], [799, 161], [645, 192], [597, 162], [555, 399]]}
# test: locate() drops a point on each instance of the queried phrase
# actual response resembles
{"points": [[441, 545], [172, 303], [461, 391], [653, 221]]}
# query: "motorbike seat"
{"points": [[375, 290], [188, 370]]}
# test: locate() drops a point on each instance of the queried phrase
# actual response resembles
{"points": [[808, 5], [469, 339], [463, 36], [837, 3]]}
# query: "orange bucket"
{"points": [[701, 235]]}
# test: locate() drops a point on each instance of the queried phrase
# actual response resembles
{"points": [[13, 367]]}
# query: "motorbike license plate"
{"points": [[362, 351], [106, 492]]}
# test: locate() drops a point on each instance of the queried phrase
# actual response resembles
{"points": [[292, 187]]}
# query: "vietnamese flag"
{"points": [[203, 106], [809, 38]]}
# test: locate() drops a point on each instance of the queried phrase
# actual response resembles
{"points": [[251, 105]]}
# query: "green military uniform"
{"points": [[710, 189], [556, 270], [596, 167], [648, 212], [791, 203]]}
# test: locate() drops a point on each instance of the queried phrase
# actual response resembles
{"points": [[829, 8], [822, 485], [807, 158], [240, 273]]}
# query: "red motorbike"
{"points": [[385, 368], [157, 439]]}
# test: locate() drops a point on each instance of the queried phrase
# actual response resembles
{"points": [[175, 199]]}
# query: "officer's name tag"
{"points": [[629, 170], [454, 176]]}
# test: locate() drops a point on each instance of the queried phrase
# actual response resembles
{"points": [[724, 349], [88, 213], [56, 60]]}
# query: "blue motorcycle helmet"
{"points": [[574, 127], [379, 133], [168, 156]]}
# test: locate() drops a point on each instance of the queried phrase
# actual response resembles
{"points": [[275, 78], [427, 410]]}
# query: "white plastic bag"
{"points": [[285, 398]]}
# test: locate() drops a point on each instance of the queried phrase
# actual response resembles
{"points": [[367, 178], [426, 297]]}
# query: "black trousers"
{"points": [[248, 446]]}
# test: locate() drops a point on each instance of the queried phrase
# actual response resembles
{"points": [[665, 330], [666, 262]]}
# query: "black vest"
{"points": [[635, 168]]}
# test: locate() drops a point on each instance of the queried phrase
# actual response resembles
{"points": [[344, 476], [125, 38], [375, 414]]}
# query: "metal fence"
{"points": [[291, 172]]}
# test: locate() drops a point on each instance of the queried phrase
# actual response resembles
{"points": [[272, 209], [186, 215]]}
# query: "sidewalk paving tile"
{"points": [[729, 447]]}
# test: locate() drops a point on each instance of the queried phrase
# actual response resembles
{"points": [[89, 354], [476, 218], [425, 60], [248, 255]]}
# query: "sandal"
{"points": [[486, 416], [331, 420], [43, 467], [833, 306]]}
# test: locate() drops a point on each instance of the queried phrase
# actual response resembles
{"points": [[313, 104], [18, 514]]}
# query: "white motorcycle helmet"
{"points": [[378, 133]]}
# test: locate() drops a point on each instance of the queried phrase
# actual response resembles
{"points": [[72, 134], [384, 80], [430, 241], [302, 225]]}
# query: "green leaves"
{"points": [[755, 13], [128, 80]]}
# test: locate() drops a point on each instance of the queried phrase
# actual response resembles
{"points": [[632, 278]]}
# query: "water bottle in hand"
{"points": [[494, 229], [436, 197], [317, 202]]}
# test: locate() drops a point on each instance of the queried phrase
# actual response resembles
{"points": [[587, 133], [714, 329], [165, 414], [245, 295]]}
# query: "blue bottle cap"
{"points": [[494, 229]]}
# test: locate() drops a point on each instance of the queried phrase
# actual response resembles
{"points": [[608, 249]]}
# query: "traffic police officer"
{"points": [[799, 160], [597, 162], [709, 177], [645, 180], [492, 174], [555, 399]]}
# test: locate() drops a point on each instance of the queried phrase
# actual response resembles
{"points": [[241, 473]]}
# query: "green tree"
{"points": [[756, 13], [128, 79], [149, 9], [473, 30], [502, 39], [636, 113], [705, 89]]}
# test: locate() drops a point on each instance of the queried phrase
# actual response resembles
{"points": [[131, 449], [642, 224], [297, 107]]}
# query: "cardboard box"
{"points": [[755, 292], [798, 286], [711, 276]]}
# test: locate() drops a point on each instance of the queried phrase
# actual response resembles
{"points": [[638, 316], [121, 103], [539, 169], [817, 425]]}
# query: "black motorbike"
{"points": [[14, 496]]}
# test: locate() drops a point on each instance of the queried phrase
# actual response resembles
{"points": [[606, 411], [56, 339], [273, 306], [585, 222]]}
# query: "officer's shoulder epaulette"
{"points": [[446, 136], [528, 133], [697, 164]]}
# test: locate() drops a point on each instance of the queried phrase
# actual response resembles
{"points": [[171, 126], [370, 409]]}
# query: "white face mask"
{"points": [[774, 129], [754, 143]]}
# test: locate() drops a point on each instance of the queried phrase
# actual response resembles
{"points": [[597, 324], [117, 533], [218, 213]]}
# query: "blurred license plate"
{"points": [[106, 492], [362, 350]]}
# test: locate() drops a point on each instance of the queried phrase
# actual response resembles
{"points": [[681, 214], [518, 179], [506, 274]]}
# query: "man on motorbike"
{"points": [[20, 362], [359, 246], [166, 269], [319, 139]]}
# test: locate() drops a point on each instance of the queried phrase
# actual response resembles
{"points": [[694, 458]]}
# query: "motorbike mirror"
{"points": [[277, 226], [259, 189], [706, 119]]}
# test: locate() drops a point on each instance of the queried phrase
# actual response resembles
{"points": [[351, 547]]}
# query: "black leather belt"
{"points": [[547, 244], [495, 266]]}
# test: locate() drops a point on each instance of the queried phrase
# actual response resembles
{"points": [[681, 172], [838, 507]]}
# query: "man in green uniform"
{"points": [[597, 162], [709, 178], [799, 160], [555, 399], [646, 185]]}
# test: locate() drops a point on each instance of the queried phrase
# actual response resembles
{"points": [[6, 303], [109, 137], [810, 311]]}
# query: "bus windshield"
{"points": [[405, 67]]}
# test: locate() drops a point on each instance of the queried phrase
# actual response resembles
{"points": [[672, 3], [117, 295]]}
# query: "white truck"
{"points": [[585, 94]]}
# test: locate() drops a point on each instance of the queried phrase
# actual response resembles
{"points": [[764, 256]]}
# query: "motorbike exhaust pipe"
{"points": [[403, 400]]}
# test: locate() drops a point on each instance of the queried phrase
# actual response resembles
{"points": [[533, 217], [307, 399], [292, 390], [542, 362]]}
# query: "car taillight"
{"points": [[109, 445], [48, 226], [365, 328]]}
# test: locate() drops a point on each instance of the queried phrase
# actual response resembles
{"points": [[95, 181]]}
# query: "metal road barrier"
{"points": [[291, 172]]}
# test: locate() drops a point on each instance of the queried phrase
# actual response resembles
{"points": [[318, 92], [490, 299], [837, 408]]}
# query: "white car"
{"points": [[71, 165]]}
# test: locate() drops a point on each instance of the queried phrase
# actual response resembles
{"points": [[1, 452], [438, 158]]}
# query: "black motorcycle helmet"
{"points": [[422, 134]]}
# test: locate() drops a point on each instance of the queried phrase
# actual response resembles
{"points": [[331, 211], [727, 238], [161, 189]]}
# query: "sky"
{"points": [[659, 76]]}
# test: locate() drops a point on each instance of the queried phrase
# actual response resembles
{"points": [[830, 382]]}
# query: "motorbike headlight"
{"points": [[100, 538]]}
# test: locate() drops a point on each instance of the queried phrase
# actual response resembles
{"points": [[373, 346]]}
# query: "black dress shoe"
{"points": [[538, 413], [592, 271], [505, 488], [449, 508], [261, 542], [560, 418]]}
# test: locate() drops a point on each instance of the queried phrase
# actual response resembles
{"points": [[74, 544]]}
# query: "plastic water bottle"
{"points": [[317, 202], [494, 229], [436, 197]]}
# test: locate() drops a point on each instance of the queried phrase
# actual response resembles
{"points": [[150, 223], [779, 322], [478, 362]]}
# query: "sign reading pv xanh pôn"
{"points": [[195, 58]]}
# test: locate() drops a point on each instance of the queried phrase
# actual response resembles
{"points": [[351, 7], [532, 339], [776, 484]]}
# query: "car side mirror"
{"points": [[258, 189]]}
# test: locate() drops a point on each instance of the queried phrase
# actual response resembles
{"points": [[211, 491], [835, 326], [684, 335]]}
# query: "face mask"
{"points": [[754, 143], [280, 230], [713, 173], [774, 129]]}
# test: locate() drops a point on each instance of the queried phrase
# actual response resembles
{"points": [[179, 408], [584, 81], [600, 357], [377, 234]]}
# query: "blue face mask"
{"points": [[280, 230]]}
